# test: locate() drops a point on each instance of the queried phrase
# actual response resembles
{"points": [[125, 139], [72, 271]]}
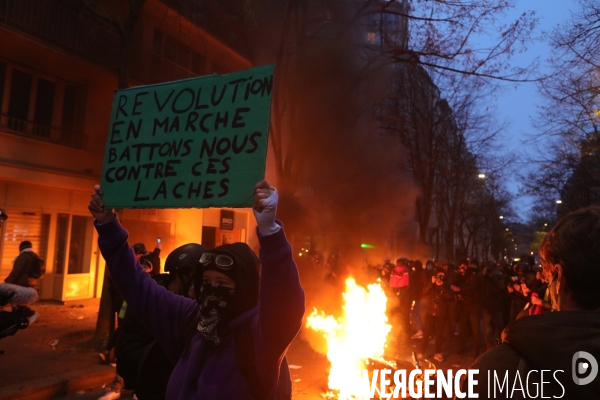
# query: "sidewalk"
{"points": [[35, 368], [52, 357]]}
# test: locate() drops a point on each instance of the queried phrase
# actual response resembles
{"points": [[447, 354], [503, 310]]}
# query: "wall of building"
{"points": [[46, 181]]}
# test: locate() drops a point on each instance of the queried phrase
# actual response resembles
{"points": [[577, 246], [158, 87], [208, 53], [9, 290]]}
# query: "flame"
{"points": [[359, 333]]}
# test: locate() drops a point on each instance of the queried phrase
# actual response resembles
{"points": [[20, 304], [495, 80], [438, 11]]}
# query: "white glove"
{"points": [[266, 218]]}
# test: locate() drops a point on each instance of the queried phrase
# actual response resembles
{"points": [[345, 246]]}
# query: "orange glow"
{"points": [[77, 286], [359, 333]]}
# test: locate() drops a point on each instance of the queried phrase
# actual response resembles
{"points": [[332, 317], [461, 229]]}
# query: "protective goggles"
{"points": [[222, 261], [441, 277]]}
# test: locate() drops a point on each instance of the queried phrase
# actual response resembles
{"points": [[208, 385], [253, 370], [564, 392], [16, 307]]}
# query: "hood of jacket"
{"points": [[549, 341]]}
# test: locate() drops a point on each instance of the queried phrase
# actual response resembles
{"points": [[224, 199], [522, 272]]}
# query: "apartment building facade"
{"points": [[58, 70]]}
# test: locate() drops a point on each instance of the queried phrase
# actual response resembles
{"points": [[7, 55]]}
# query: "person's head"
{"points": [[387, 266], [440, 277], [26, 244], [225, 286], [443, 264], [402, 261], [139, 249], [429, 265], [232, 266], [146, 264], [462, 267], [514, 266], [570, 254], [182, 263], [539, 275], [529, 259], [489, 267], [522, 268], [417, 266]]}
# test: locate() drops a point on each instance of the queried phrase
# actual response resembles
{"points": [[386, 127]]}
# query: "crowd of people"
{"points": [[463, 306], [218, 324]]}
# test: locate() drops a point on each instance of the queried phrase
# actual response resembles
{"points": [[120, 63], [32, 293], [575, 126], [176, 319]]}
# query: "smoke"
{"points": [[340, 180]]}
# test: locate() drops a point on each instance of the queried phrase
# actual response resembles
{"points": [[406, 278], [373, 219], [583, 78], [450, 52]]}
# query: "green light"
{"points": [[366, 246]]}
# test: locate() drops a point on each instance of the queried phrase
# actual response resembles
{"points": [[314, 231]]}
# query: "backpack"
{"points": [[36, 271], [38, 268], [399, 277]]}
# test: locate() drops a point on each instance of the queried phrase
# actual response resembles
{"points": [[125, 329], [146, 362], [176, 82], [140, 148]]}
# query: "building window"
{"points": [[2, 79], [172, 59], [69, 108], [62, 234], [77, 254], [80, 245], [19, 99], [42, 108]]}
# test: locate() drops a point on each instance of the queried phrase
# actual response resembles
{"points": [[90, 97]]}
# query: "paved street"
{"points": [[57, 344], [309, 381]]}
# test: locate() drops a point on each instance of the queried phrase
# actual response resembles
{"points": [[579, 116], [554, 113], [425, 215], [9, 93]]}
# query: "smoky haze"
{"points": [[340, 180]]}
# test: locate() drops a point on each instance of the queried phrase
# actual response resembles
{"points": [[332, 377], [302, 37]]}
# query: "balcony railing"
{"points": [[42, 132], [63, 23]]}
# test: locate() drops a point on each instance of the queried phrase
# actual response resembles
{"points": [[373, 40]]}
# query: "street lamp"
{"points": [[501, 217], [558, 201], [481, 176]]}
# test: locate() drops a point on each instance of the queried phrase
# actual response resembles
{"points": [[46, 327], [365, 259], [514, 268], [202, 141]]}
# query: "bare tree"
{"points": [[569, 121], [446, 36]]}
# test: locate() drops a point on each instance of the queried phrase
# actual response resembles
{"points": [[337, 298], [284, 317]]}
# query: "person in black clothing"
{"points": [[116, 301], [418, 281], [452, 302], [27, 267], [436, 312], [142, 364], [493, 293], [467, 286], [518, 300], [153, 256]]}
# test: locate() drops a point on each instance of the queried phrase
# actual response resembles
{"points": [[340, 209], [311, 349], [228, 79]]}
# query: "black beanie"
{"points": [[25, 245]]}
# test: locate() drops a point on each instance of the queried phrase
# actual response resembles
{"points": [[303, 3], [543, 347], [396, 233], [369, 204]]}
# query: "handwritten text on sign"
{"points": [[194, 143]]}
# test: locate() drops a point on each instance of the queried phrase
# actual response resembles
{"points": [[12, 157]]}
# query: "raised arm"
{"points": [[163, 312], [281, 297]]}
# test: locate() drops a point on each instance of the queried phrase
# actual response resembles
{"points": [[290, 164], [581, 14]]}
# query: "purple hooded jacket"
{"points": [[203, 372]]}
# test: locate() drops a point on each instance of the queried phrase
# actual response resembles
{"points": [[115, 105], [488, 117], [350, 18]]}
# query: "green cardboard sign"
{"points": [[199, 142]]}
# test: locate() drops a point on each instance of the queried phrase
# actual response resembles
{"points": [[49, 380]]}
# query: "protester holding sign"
{"points": [[239, 335]]}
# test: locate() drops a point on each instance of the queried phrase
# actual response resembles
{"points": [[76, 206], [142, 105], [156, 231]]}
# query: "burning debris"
{"points": [[355, 339]]}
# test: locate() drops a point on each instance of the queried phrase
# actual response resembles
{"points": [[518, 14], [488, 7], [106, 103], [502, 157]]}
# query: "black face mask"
{"points": [[214, 303]]}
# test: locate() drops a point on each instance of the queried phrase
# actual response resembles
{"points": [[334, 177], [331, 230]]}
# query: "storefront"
{"points": [[60, 228]]}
